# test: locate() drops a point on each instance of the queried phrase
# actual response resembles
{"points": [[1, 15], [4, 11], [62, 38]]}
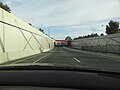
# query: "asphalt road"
{"points": [[62, 55]]}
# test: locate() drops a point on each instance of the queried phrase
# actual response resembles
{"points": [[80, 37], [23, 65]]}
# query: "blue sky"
{"points": [[69, 17]]}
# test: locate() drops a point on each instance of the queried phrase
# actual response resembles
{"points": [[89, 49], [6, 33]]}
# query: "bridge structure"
{"points": [[61, 42], [18, 39]]}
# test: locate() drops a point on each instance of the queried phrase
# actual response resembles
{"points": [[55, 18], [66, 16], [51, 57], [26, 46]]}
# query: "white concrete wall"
{"points": [[108, 44], [18, 39]]}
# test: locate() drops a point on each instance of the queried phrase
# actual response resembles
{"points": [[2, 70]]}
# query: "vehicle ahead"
{"points": [[60, 43], [47, 76]]}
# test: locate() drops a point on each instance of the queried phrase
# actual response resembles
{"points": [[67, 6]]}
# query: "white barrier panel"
{"points": [[18, 39], [107, 44]]}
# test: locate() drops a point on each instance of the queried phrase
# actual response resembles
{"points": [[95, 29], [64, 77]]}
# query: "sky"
{"points": [[67, 17]]}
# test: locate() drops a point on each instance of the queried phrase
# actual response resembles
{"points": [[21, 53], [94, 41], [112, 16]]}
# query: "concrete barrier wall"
{"points": [[106, 44], [18, 39]]}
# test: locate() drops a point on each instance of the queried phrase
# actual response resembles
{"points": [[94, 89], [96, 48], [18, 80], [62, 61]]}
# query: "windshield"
{"points": [[74, 33]]}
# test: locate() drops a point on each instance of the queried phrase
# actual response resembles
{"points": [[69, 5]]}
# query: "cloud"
{"points": [[91, 13]]}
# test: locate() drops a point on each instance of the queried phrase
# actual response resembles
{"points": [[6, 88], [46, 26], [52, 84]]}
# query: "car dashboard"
{"points": [[57, 80]]}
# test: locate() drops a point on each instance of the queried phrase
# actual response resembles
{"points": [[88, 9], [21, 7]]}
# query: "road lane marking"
{"points": [[98, 54], [77, 60], [43, 57], [23, 60]]}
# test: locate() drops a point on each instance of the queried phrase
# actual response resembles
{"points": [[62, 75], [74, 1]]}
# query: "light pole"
{"points": [[103, 28], [93, 29], [49, 32]]}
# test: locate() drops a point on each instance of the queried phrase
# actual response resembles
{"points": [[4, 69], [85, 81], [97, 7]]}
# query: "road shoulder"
{"points": [[115, 57]]}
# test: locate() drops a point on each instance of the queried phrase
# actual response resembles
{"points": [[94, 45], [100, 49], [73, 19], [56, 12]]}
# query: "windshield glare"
{"points": [[74, 33]]}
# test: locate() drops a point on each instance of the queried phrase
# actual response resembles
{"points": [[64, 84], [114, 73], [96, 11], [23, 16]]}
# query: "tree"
{"points": [[101, 34], [68, 38], [87, 36], [30, 24], [5, 7], [41, 30], [112, 28]]}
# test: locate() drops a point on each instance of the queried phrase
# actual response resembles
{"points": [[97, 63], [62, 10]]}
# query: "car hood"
{"points": [[47, 66], [53, 66]]}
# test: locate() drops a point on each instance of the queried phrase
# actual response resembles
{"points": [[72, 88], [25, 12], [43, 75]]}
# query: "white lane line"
{"points": [[43, 57], [77, 60], [22, 60]]}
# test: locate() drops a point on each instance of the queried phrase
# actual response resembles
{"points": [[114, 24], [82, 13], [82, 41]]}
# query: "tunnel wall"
{"points": [[105, 44], [18, 39]]}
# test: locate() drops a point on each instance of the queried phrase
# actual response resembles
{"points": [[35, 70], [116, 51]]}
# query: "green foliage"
{"points": [[5, 7], [30, 24], [112, 28], [87, 36], [41, 30], [68, 38], [101, 34]]}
